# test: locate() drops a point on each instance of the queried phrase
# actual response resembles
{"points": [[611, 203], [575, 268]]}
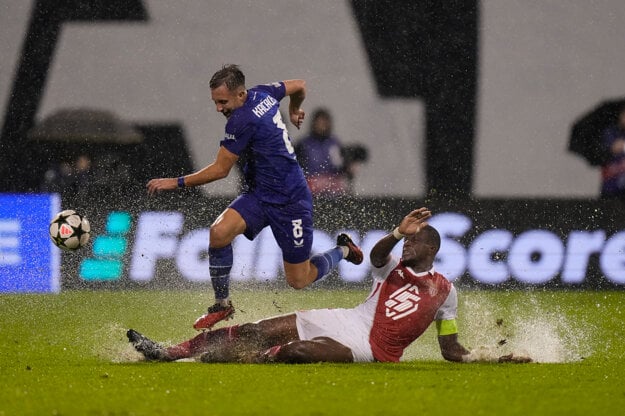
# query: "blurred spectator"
{"points": [[66, 176], [329, 167], [613, 170]]}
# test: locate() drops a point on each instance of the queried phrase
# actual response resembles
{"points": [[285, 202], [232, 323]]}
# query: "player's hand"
{"points": [[517, 359], [297, 117], [161, 184], [415, 221]]}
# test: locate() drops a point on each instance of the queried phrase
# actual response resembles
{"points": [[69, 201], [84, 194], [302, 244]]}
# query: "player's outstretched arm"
{"points": [[410, 224], [219, 169], [380, 254], [452, 350], [413, 222], [161, 184], [517, 359]]}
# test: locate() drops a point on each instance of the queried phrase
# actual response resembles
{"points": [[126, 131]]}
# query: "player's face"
{"points": [[227, 101], [322, 126], [416, 249]]}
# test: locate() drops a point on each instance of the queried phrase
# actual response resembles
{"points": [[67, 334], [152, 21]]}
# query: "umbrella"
{"points": [[587, 131], [85, 126], [68, 134]]}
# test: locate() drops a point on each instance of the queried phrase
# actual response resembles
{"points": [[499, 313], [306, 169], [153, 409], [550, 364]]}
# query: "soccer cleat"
{"points": [[355, 253], [216, 313], [151, 350]]}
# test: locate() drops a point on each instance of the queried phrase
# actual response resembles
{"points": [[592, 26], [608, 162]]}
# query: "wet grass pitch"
{"points": [[67, 354]]}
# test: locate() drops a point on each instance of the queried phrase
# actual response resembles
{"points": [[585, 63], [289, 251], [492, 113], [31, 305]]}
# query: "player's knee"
{"points": [[219, 236], [294, 352], [299, 275]]}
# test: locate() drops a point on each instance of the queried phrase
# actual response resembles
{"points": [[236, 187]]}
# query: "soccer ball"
{"points": [[69, 230]]}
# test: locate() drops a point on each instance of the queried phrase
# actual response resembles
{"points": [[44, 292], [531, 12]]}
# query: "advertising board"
{"points": [[29, 262], [488, 243], [162, 243]]}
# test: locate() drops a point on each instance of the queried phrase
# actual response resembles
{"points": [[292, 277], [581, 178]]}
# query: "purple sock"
{"points": [[326, 261], [220, 264]]}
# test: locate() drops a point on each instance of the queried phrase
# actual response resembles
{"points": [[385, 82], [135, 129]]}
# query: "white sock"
{"points": [[345, 251]]}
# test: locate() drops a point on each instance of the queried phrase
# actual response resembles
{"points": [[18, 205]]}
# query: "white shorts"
{"points": [[346, 326]]}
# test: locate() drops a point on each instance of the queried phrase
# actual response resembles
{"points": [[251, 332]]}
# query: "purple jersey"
{"points": [[256, 133]]}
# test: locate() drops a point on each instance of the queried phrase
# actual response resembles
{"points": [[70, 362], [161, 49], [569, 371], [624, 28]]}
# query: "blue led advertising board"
{"points": [[29, 261]]}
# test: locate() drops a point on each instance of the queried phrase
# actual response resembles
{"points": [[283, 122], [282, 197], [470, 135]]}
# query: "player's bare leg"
{"points": [[223, 230], [300, 275], [247, 339], [320, 349]]}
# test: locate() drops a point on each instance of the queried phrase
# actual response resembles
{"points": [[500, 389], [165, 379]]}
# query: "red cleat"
{"points": [[355, 253], [216, 313]]}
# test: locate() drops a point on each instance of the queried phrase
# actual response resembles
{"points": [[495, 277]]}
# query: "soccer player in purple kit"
{"points": [[275, 192]]}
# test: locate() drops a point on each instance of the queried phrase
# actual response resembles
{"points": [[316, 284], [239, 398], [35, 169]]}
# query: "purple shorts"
{"points": [[291, 225]]}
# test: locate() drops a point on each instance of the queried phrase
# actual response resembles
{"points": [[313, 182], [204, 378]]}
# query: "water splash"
{"points": [[546, 334], [535, 327], [114, 347]]}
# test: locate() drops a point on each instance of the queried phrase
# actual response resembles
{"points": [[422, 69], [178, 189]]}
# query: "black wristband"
{"points": [[181, 182]]}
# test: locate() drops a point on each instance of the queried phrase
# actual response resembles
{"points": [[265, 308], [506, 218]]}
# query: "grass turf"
{"points": [[67, 354]]}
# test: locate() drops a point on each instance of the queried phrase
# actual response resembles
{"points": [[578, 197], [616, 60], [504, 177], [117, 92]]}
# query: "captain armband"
{"points": [[446, 327]]}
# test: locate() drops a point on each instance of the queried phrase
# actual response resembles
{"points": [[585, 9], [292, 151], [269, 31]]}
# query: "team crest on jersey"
{"points": [[402, 302], [432, 288]]}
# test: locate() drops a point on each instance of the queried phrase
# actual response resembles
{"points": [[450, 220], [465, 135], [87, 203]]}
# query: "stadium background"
{"points": [[465, 106]]}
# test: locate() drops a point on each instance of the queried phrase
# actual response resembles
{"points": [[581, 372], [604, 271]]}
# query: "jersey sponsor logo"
{"points": [[402, 302], [264, 106], [229, 136]]}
